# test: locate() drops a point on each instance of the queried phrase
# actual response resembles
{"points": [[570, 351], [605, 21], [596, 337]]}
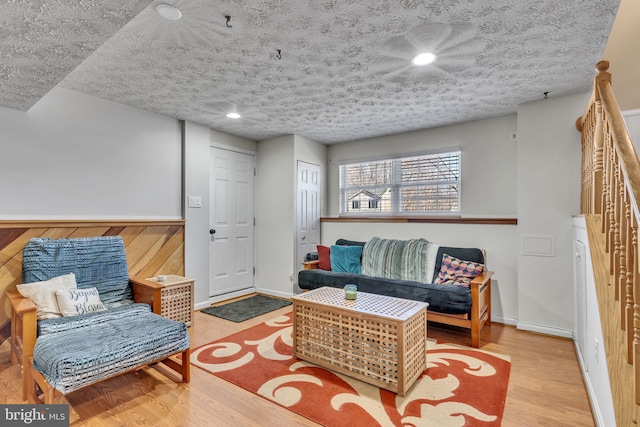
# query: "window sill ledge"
{"points": [[425, 220]]}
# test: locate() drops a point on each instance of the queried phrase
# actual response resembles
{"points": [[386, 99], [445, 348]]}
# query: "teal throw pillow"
{"points": [[346, 259]]}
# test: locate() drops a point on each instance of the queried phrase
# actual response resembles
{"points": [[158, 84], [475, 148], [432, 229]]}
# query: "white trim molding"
{"points": [[541, 329]]}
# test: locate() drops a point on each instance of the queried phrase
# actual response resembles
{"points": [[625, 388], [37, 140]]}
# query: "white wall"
{"points": [[549, 156], [488, 162], [74, 156], [232, 141], [196, 183], [622, 52], [632, 121], [275, 208]]}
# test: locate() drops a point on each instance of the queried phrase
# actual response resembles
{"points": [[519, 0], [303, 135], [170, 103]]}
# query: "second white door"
{"points": [[308, 211]]}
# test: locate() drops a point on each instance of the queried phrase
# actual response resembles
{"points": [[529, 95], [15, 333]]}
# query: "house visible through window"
{"points": [[422, 184]]}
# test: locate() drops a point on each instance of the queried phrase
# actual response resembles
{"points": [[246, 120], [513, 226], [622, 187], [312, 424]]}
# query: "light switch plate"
{"points": [[195, 202]]}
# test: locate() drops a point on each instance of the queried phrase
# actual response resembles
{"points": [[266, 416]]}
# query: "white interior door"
{"points": [[308, 210], [231, 253]]}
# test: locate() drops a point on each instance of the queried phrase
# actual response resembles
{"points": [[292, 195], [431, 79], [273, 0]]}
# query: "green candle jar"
{"points": [[350, 291]]}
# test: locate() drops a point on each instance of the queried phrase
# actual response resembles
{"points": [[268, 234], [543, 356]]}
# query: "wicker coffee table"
{"points": [[374, 338]]}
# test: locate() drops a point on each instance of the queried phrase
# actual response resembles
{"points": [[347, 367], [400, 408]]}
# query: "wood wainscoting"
{"points": [[152, 247]]}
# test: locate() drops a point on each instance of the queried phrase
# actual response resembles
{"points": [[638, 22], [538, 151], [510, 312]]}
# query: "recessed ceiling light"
{"points": [[169, 12], [423, 58], [233, 115]]}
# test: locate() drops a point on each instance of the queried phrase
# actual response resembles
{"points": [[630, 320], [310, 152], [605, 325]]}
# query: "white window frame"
{"points": [[397, 186]]}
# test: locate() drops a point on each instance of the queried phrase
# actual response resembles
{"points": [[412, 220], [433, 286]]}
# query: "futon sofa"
{"points": [[458, 294]]}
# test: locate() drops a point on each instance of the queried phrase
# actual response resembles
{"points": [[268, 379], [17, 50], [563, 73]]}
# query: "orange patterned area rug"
{"points": [[461, 386]]}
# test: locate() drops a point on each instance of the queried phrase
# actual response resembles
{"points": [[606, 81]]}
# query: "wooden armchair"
{"points": [[136, 335]]}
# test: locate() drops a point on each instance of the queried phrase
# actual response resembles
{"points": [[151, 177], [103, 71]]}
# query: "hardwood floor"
{"points": [[545, 387]]}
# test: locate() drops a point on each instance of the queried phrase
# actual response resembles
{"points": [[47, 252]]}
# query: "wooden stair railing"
{"points": [[611, 189]]}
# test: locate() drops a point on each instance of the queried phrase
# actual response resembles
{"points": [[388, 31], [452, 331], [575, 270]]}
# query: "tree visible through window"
{"points": [[428, 183]]}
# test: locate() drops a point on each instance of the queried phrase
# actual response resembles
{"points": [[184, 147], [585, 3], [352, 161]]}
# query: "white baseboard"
{"points": [[511, 321], [273, 293], [591, 393], [230, 295], [223, 297], [201, 305], [556, 332]]}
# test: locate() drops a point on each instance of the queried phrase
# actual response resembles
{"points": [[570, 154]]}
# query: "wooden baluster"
{"points": [[615, 219], [610, 192], [636, 333], [591, 158], [605, 193], [584, 177], [597, 145], [625, 242], [621, 279], [606, 221], [632, 281]]}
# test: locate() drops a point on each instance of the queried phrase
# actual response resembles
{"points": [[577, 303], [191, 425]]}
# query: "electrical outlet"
{"points": [[596, 351]]}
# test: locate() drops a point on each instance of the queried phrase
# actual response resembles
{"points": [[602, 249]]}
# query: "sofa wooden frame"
{"points": [[479, 316], [24, 333]]}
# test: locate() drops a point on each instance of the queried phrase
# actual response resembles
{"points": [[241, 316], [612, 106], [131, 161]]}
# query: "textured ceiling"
{"points": [[329, 70], [41, 41]]}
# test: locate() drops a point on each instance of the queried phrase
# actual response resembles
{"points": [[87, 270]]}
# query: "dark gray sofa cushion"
{"points": [[344, 242], [449, 299]]}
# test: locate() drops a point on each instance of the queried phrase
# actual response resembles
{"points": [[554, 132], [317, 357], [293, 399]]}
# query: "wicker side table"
{"points": [[177, 298], [374, 338]]}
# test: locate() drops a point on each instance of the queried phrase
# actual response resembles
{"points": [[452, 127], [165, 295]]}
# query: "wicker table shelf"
{"points": [[177, 298], [374, 338]]}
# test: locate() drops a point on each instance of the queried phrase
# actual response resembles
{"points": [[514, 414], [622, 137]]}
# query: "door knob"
{"points": [[212, 231]]}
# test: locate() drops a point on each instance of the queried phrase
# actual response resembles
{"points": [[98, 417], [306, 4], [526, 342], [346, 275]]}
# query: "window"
{"points": [[422, 184]]}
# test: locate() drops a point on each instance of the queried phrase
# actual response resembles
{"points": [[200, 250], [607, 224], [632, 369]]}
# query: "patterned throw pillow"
{"points": [[73, 302], [455, 271]]}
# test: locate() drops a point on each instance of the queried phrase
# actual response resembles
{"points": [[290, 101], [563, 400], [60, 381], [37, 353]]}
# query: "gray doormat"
{"points": [[247, 308]]}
